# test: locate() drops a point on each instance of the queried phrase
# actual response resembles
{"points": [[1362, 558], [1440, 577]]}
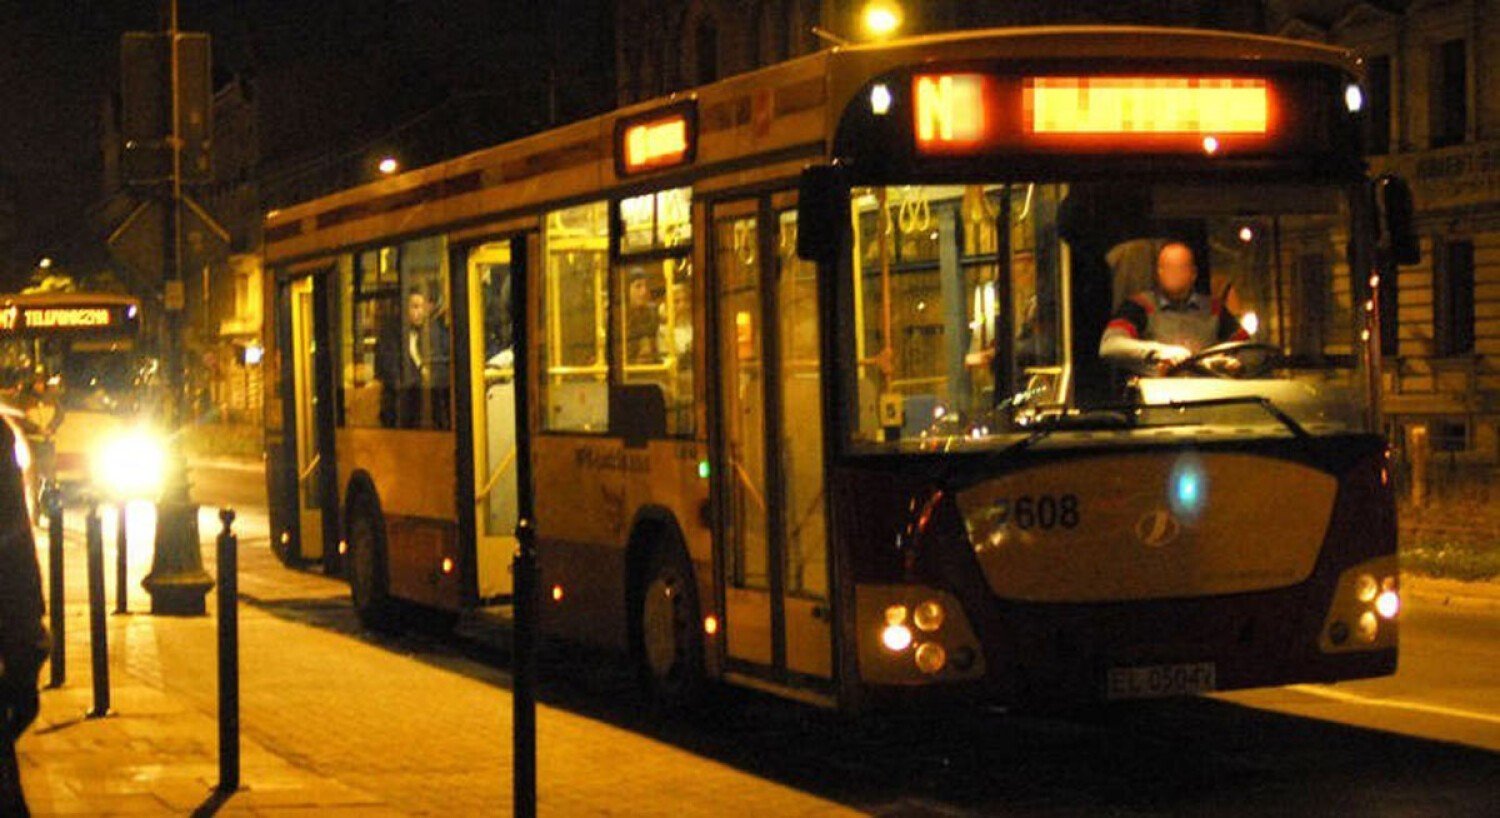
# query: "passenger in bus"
{"points": [[411, 361], [1155, 330], [642, 320]]}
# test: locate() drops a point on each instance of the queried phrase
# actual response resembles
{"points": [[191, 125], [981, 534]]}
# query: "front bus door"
{"points": [[311, 387], [490, 270], [769, 456]]}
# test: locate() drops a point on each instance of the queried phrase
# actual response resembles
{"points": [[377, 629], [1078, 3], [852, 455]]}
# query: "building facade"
{"points": [[1433, 104], [663, 46]]}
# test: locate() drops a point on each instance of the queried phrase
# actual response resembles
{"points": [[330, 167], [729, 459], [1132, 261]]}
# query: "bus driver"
{"points": [[1155, 330]]}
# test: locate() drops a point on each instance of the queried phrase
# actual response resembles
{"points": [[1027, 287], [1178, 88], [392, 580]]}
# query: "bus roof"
{"points": [[780, 114]]}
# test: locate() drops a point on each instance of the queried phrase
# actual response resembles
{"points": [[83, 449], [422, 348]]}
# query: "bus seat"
{"points": [[637, 412]]}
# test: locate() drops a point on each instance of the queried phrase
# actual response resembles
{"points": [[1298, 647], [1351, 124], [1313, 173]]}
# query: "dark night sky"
{"points": [[329, 74]]}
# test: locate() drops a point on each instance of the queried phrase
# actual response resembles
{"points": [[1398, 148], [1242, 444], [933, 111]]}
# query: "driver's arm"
{"points": [[1229, 327], [1124, 343]]}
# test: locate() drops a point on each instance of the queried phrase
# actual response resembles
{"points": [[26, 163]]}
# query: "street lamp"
{"points": [[388, 165], [45, 263], [881, 18]]}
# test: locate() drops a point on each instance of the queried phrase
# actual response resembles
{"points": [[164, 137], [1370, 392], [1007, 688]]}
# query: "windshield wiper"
{"points": [[1097, 419], [1239, 400]]}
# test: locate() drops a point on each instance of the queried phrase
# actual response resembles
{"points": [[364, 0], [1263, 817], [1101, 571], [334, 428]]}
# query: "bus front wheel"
{"points": [[669, 651], [369, 579]]}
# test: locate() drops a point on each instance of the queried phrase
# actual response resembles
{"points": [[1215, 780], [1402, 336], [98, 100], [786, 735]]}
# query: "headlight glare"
{"points": [[896, 638], [1388, 604], [132, 465]]}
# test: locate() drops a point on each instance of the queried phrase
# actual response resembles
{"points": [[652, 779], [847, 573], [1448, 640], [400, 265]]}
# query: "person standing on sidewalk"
{"points": [[23, 637]]}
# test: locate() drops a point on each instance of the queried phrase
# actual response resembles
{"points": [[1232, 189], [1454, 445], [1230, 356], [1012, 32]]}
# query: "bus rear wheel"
{"points": [[669, 650], [369, 579]]}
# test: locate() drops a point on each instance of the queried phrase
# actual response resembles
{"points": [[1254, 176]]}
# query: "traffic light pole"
{"points": [[177, 582]]}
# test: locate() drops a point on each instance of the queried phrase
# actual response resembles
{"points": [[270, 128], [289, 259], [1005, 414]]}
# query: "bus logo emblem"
{"points": [[1157, 528]]}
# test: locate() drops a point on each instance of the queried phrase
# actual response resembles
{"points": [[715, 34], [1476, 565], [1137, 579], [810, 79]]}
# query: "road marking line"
{"points": [[1354, 698]]}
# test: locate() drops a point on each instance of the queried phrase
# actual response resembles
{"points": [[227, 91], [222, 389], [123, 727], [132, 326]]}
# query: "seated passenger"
{"points": [[1157, 329]]}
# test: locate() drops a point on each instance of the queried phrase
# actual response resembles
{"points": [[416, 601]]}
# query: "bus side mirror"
{"points": [[822, 213], [1397, 212]]}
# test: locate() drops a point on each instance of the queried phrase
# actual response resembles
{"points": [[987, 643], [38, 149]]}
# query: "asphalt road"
{"points": [[1423, 742]]}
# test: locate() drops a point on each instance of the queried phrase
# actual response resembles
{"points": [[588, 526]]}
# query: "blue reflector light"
{"points": [[1187, 488]]}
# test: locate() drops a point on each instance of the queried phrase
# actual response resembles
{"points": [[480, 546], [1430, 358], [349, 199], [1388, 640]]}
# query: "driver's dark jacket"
{"points": [[1148, 321], [23, 638]]}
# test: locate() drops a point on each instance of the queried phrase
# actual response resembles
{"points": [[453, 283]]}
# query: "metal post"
{"points": [[56, 593], [523, 649], [229, 655], [98, 637], [122, 562], [177, 582]]}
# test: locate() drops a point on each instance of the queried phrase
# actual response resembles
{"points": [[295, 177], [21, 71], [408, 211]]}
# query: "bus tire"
{"points": [[369, 579], [669, 650]]}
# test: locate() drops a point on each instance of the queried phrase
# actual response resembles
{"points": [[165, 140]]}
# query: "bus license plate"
{"points": [[1159, 681]]}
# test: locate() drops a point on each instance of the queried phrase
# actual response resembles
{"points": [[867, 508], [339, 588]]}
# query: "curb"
{"points": [[1478, 595]]}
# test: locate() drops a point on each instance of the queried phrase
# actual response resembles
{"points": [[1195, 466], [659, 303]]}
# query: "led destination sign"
{"points": [[660, 140], [67, 319], [971, 113]]}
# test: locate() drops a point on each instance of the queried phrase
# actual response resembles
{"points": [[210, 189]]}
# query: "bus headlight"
{"points": [[1388, 604], [896, 638], [132, 465], [1362, 612]]}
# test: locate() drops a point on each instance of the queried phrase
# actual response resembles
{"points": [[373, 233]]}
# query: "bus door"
{"points": [[490, 268], [312, 400], [769, 458]]}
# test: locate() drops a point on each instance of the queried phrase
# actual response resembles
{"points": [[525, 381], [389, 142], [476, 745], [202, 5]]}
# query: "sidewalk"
{"points": [[157, 753], [335, 721]]}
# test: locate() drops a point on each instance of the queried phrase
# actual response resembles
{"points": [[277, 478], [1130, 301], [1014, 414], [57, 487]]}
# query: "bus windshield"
{"points": [[1100, 312]]}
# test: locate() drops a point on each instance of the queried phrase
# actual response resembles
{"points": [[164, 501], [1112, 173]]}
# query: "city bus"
{"points": [[815, 401], [73, 373]]}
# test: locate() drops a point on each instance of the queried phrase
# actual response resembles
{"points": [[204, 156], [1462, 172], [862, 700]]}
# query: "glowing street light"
{"points": [[45, 263], [388, 165], [881, 18]]}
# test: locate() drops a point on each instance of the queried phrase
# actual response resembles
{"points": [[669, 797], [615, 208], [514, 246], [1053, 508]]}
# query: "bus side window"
{"points": [[575, 391]]}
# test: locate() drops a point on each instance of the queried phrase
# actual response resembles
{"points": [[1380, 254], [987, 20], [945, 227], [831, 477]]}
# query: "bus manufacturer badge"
{"points": [[1157, 528]]}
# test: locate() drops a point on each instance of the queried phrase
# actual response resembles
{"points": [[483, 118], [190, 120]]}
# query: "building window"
{"points": [[1389, 293], [1450, 435], [1453, 299], [1378, 105], [707, 40], [1449, 93]]}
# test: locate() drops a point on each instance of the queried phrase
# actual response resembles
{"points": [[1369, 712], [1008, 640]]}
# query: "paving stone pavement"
{"points": [[334, 723]]}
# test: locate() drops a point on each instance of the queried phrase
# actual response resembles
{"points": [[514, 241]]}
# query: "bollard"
{"points": [[229, 656], [122, 562], [98, 637], [56, 596]]}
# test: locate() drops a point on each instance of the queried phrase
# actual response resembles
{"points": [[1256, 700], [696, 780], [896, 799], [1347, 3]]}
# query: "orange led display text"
{"points": [[1146, 105], [65, 317], [656, 144], [952, 110]]}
